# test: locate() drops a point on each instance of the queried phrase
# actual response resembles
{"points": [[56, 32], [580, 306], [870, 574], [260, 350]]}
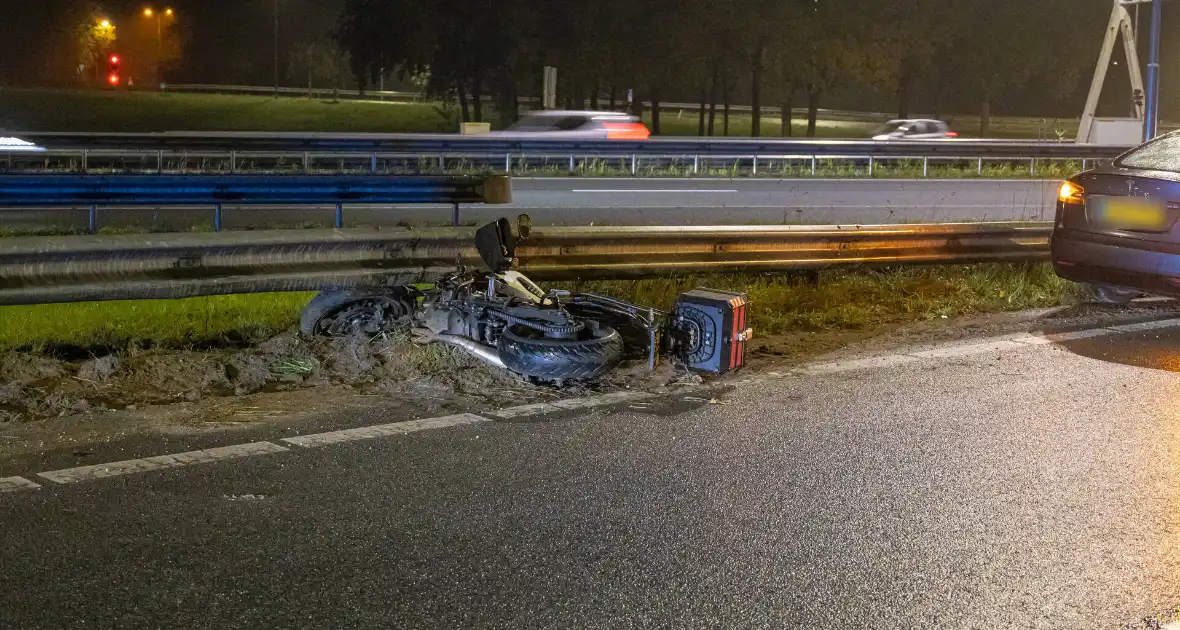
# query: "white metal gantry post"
{"points": [[1120, 22]]}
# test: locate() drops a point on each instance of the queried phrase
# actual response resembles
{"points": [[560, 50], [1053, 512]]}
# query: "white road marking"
{"points": [[968, 350], [523, 411], [1166, 323], [17, 484], [161, 462], [860, 364], [982, 346], [599, 401], [652, 190], [383, 430]]}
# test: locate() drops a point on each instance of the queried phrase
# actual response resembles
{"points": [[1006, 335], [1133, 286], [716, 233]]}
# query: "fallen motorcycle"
{"points": [[506, 320]]}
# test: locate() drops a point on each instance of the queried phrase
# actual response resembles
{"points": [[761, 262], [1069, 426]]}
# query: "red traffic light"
{"points": [[115, 59], [113, 79]]}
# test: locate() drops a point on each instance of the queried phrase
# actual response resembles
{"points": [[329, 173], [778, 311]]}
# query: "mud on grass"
{"points": [[69, 359], [35, 385]]}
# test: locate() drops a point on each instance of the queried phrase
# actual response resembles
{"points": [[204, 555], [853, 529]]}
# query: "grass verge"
{"points": [[100, 327], [850, 299], [32, 109], [866, 297]]}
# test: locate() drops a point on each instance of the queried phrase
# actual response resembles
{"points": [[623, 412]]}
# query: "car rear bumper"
{"points": [[1151, 267]]}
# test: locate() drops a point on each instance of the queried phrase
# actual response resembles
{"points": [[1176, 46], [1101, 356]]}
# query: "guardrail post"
{"points": [[813, 166], [1083, 164], [454, 215], [1032, 167], [633, 164], [373, 163], [755, 171], [93, 218], [159, 162], [217, 217], [442, 165], [979, 171], [307, 162], [870, 166], [508, 163], [233, 161], [85, 160], [571, 164], [925, 166], [696, 164], [339, 216]]}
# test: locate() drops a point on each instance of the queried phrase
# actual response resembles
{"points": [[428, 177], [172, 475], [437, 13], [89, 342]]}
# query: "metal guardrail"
{"points": [[96, 191], [501, 145], [35, 270]]}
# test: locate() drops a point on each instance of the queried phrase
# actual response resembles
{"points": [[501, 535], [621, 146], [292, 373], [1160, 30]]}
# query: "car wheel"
{"points": [[1106, 294]]}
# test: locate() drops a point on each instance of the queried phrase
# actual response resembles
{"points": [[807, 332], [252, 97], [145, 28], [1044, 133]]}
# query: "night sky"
{"points": [[230, 42]]}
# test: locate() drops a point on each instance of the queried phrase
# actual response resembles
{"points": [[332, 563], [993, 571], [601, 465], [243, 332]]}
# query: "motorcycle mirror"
{"points": [[496, 245]]}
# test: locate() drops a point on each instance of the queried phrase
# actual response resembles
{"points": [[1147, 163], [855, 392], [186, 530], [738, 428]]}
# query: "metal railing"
{"points": [[36, 270], [97, 191], [501, 145], [602, 163]]}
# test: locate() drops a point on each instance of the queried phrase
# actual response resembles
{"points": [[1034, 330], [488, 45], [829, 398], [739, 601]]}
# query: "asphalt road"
{"points": [[1012, 485], [578, 201]]}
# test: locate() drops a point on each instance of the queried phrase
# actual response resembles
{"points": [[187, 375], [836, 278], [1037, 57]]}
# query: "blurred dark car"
{"points": [[1116, 227]]}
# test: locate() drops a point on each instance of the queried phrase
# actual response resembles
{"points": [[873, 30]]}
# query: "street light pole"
{"points": [[1152, 102], [276, 48]]}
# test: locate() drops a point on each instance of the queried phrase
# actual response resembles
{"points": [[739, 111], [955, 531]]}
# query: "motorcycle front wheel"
{"points": [[526, 351]]}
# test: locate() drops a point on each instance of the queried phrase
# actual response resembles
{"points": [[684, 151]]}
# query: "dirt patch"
{"points": [[287, 377]]}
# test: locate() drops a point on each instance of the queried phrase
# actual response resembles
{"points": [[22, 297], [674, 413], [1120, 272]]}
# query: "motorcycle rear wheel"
{"points": [[598, 349]]}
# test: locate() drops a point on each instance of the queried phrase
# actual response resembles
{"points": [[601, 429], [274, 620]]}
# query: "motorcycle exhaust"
{"points": [[484, 353]]}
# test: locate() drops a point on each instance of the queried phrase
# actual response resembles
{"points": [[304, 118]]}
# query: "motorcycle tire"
{"points": [[320, 315], [599, 349]]}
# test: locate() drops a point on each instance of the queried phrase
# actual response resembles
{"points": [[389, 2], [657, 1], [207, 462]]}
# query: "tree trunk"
{"points": [[905, 86], [579, 98], [701, 116], [724, 107], [464, 106], [594, 95], [813, 93], [477, 97], [506, 97], [756, 93], [788, 106], [713, 102], [655, 113], [985, 116]]}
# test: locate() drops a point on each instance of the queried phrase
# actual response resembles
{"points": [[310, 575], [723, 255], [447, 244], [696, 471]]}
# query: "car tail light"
{"points": [[626, 131], [952, 134], [1070, 193]]}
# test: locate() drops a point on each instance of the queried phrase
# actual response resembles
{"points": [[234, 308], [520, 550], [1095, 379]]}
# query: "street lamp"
{"points": [[149, 13]]}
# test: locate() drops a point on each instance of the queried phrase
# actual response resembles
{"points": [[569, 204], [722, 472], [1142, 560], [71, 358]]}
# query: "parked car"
{"points": [[1116, 226], [577, 125], [914, 129]]}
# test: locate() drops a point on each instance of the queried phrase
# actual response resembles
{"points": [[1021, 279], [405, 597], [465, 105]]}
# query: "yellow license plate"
{"points": [[1127, 213]]}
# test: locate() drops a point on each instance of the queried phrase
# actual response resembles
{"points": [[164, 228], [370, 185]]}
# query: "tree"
{"points": [[319, 62]]}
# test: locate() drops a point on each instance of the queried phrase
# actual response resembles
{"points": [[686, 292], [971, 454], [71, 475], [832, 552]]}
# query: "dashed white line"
{"points": [[982, 346], [600, 401], [17, 484], [383, 430], [160, 462], [523, 411], [651, 190]]}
